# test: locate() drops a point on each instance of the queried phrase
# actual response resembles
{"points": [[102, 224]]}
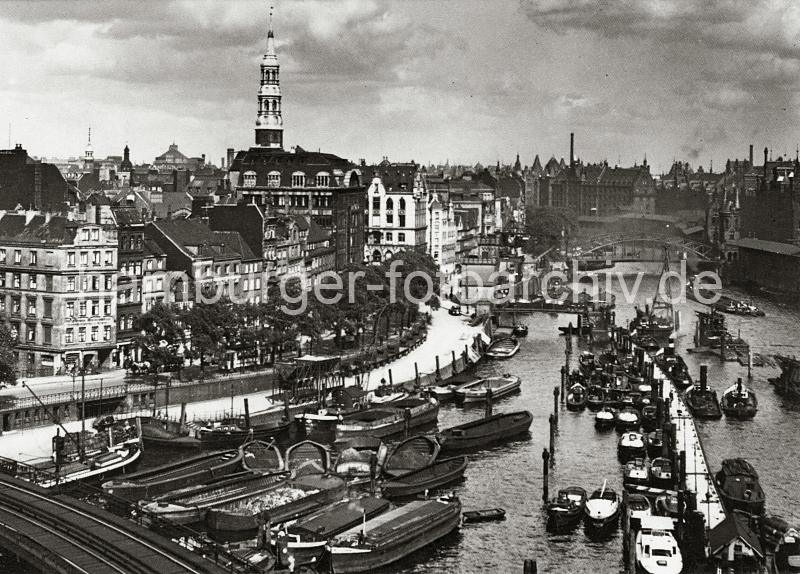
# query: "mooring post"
{"points": [[453, 367], [246, 413], [416, 374], [555, 403], [438, 376], [563, 381], [391, 381], [529, 567], [545, 475], [552, 421]]}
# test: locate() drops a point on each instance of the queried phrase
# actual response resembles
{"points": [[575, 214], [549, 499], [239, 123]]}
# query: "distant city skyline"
{"points": [[464, 81]]}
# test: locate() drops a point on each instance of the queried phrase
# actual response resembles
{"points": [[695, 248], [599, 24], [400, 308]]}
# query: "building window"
{"points": [[3, 255], [95, 235], [274, 179], [34, 257], [389, 237], [389, 211], [71, 284], [401, 237], [47, 332], [107, 307], [16, 280], [71, 259], [17, 256], [15, 305], [82, 308], [95, 258], [149, 265], [298, 179], [95, 308], [70, 309], [81, 334], [48, 308], [32, 283], [69, 335], [84, 258], [95, 332], [95, 283], [122, 322], [109, 258], [2, 279], [249, 179], [107, 333], [32, 306], [30, 331], [85, 234], [323, 179], [85, 283]]}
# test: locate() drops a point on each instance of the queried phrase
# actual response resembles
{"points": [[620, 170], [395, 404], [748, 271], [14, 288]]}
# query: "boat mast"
{"points": [[664, 306]]}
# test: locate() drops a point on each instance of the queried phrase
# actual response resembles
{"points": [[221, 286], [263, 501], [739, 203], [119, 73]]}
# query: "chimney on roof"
{"points": [[751, 155], [222, 162], [572, 149], [766, 153], [230, 157]]}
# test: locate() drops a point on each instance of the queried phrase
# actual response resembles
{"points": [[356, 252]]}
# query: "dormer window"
{"points": [[274, 179], [323, 179], [249, 179], [298, 179]]}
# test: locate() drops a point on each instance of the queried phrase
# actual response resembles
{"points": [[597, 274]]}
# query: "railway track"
{"points": [[87, 542]]}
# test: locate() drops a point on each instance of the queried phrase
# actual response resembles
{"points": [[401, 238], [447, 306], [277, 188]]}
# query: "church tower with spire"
{"points": [[269, 125]]}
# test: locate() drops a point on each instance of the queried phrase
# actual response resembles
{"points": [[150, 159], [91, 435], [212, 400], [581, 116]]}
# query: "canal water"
{"points": [[510, 475]]}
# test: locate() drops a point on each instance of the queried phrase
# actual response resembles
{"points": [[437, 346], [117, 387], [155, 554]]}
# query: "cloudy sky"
{"points": [[463, 80]]}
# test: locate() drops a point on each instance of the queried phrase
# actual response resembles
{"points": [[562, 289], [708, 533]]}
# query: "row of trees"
{"points": [[363, 300], [547, 225]]}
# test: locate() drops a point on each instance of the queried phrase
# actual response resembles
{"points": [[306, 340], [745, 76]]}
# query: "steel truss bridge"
{"points": [[642, 247]]}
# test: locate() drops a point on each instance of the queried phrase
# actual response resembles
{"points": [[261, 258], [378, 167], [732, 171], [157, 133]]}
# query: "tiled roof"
{"points": [[196, 238], [57, 230], [733, 527]]}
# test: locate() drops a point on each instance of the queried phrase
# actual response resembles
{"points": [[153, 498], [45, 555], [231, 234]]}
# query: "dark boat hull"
{"points": [[218, 439], [483, 432], [370, 559], [426, 479]]}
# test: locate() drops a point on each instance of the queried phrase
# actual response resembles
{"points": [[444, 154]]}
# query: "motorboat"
{"points": [[661, 475], [576, 397], [602, 508], [667, 504], [595, 397], [649, 418], [631, 446], [637, 507], [605, 418], [656, 549], [627, 418], [637, 471], [567, 509]]}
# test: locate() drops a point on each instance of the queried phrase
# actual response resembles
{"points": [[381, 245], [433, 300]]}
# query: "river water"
{"points": [[510, 475]]}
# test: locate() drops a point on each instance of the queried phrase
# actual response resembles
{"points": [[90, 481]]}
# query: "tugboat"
{"points": [[657, 550], [602, 508], [656, 322], [739, 402], [576, 397], [701, 400], [674, 366], [739, 487], [788, 383], [566, 510]]}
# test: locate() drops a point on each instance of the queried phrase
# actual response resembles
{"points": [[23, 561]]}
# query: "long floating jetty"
{"points": [[698, 479]]}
